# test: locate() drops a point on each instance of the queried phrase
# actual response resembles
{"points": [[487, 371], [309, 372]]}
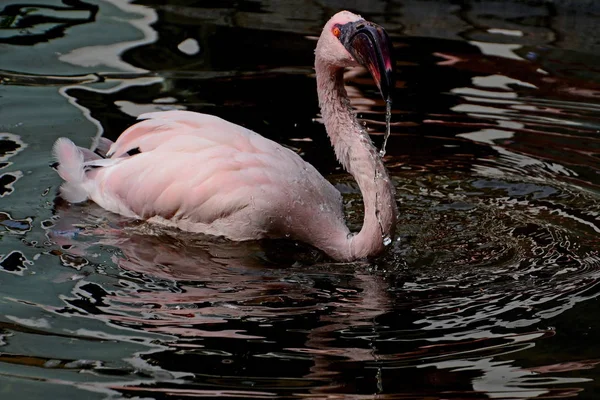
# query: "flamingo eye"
{"points": [[336, 31]]}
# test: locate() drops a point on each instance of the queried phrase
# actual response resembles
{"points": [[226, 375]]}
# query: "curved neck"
{"points": [[355, 151]]}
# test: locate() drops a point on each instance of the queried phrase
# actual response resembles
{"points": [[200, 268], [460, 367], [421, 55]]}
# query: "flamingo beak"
{"points": [[370, 46]]}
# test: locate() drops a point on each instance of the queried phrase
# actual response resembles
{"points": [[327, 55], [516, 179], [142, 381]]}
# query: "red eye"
{"points": [[336, 31]]}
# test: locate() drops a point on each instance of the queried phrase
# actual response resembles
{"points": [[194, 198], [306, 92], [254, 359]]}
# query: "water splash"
{"points": [[388, 120], [387, 240]]}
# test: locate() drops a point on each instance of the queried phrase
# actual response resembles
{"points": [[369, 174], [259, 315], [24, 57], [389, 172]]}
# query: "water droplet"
{"points": [[189, 46]]}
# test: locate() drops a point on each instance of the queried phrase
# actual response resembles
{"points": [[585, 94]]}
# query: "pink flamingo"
{"points": [[203, 174]]}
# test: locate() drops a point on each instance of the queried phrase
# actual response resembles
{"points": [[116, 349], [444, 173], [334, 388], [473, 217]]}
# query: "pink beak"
{"points": [[370, 45]]}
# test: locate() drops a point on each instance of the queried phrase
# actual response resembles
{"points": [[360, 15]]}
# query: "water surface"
{"points": [[489, 289]]}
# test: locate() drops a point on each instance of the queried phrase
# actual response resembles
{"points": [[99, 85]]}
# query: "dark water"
{"points": [[489, 290]]}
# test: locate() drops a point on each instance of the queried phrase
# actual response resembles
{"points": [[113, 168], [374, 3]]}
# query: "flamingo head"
{"points": [[348, 40]]}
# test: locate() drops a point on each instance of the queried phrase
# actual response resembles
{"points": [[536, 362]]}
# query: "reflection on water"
{"points": [[488, 291]]}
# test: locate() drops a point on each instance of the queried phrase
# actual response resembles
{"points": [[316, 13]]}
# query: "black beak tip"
{"points": [[388, 84]]}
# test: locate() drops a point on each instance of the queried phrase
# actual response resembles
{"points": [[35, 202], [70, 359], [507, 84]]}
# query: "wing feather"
{"points": [[167, 129]]}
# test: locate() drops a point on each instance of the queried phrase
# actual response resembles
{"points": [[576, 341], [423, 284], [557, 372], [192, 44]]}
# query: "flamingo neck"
{"points": [[355, 151]]}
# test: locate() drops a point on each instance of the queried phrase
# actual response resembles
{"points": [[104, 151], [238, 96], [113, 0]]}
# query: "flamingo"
{"points": [[200, 173]]}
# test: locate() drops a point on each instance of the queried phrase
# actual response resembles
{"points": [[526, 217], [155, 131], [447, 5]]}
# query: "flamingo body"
{"points": [[200, 173]]}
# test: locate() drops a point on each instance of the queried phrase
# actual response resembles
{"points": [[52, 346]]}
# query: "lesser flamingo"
{"points": [[200, 173]]}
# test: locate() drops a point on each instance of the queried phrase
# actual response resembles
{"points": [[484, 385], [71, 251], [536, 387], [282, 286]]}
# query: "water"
{"points": [[488, 290], [388, 122]]}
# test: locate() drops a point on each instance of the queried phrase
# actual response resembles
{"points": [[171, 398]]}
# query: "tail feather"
{"points": [[89, 155], [71, 169], [103, 146]]}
